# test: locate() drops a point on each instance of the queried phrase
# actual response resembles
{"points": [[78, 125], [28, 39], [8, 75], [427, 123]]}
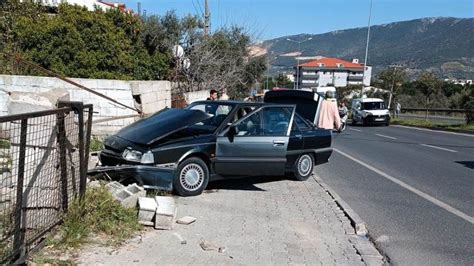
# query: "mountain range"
{"points": [[443, 45]]}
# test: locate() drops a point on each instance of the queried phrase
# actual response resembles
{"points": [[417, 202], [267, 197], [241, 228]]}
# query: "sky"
{"points": [[267, 19]]}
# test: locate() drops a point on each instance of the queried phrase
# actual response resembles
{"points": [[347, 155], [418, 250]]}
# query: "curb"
{"points": [[369, 253]]}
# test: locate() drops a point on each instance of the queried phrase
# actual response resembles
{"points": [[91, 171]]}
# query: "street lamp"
{"points": [[298, 59], [366, 50]]}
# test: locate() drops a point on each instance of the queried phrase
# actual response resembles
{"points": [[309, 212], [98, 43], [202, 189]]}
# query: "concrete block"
{"points": [[165, 213], [136, 190], [127, 199], [114, 187], [147, 210]]}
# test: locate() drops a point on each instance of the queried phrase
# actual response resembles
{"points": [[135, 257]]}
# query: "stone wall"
{"points": [[196, 96], [27, 93]]}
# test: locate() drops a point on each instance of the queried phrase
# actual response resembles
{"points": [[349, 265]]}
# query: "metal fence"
{"points": [[43, 163]]}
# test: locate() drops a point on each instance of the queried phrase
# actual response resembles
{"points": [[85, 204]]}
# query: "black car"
{"points": [[184, 149]]}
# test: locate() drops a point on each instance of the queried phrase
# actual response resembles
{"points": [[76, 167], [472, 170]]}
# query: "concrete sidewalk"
{"points": [[257, 221]]}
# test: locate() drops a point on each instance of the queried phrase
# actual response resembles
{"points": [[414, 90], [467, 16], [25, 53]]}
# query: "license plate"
{"points": [[379, 119]]}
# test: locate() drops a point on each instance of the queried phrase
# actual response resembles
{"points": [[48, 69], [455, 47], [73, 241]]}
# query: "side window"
{"points": [[241, 112], [276, 121], [270, 121], [251, 126], [301, 125]]}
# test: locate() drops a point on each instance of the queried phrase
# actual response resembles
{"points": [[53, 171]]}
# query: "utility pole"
{"points": [[366, 50], [206, 18]]}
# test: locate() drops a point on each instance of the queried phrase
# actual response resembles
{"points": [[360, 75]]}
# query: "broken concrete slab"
{"points": [[186, 220], [165, 213], [114, 187], [127, 196], [136, 190], [147, 210]]}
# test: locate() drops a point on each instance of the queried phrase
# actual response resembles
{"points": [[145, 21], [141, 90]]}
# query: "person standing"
{"points": [[329, 114], [224, 96], [212, 95], [398, 109]]}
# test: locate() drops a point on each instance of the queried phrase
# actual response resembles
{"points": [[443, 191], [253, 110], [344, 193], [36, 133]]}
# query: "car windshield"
{"points": [[374, 106], [218, 113]]}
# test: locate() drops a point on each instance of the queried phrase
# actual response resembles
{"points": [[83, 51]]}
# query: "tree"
{"points": [[391, 80], [428, 85], [283, 81]]}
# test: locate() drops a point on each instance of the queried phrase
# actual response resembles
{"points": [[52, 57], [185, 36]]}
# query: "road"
{"points": [[414, 189]]}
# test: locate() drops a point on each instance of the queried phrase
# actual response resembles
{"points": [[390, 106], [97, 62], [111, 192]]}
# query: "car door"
{"points": [[259, 147]]}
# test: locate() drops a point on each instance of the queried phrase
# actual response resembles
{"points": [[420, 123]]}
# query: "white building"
{"points": [[332, 72], [89, 4]]}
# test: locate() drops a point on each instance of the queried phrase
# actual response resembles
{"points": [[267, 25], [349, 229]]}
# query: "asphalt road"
{"points": [[414, 189]]}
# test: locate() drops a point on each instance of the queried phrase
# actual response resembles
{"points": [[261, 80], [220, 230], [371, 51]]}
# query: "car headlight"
{"points": [[148, 158], [132, 155], [365, 114]]}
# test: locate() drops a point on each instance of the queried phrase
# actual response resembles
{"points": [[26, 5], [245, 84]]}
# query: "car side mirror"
{"points": [[233, 131]]}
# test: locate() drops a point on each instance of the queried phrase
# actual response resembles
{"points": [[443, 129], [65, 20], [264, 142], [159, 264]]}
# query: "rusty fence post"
{"points": [[62, 159], [87, 140], [19, 233]]}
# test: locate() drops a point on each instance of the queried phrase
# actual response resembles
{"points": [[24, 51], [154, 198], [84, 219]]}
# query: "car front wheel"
{"points": [[304, 167], [191, 177]]}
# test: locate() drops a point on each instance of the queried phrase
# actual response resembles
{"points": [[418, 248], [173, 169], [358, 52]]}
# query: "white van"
{"points": [[367, 111]]}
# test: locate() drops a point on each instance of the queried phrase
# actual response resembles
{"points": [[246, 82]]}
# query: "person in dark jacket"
{"points": [[212, 95]]}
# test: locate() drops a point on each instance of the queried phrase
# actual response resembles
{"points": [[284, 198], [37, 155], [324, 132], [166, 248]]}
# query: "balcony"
{"points": [[357, 77]]}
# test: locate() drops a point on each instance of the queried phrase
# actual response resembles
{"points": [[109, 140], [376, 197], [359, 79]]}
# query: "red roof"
{"points": [[120, 6], [331, 62]]}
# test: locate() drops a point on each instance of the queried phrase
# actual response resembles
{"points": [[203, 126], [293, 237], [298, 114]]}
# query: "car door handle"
{"points": [[278, 142], [299, 136]]}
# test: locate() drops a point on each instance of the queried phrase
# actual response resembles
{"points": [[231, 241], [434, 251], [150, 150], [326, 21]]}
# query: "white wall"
{"points": [[340, 79], [156, 95], [196, 96]]}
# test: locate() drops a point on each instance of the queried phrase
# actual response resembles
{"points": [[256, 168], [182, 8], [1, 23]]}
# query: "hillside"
{"points": [[443, 45]]}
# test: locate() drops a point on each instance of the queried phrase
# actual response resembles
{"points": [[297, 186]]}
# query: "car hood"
{"points": [[161, 124]]}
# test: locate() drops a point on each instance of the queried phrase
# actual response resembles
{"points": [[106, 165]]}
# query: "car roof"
{"points": [[369, 100], [232, 102]]}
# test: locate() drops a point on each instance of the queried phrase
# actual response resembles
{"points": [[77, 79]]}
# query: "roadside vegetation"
{"points": [[75, 42], [98, 219], [96, 144]]}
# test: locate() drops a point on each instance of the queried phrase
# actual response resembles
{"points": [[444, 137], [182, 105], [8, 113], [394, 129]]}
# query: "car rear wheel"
{"points": [[191, 177], [304, 167]]}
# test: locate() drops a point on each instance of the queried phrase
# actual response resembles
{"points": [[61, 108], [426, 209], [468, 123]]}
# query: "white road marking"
{"points": [[435, 131], [412, 189], [385, 136], [358, 130], [439, 148]]}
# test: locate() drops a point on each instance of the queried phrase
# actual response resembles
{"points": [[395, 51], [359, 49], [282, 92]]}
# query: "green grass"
{"points": [[431, 125], [6, 226], [96, 144], [99, 215]]}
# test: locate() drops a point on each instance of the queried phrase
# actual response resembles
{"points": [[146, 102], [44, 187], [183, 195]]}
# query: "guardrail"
{"points": [[439, 115]]}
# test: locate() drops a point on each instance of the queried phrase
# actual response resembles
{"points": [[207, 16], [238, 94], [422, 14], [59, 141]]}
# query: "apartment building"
{"points": [[330, 71], [89, 4]]}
